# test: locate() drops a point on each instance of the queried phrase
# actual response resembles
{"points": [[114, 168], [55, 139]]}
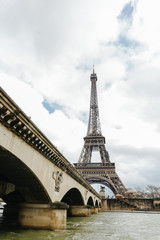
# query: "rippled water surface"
{"points": [[102, 226]]}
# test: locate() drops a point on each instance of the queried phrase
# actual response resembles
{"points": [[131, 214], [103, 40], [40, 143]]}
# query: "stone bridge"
{"points": [[36, 180]]}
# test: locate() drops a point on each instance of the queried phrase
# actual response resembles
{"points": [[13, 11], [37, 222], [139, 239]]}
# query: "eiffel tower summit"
{"points": [[97, 172]]}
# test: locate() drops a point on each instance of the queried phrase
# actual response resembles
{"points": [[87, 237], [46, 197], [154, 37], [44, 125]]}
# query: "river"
{"points": [[101, 226]]}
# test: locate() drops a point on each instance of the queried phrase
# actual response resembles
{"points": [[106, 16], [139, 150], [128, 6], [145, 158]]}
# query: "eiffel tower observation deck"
{"points": [[102, 172]]}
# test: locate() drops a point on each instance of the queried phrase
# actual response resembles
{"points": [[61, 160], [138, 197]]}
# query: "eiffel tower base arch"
{"points": [[104, 174]]}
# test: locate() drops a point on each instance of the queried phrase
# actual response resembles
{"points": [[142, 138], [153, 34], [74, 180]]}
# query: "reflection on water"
{"points": [[102, 226]]}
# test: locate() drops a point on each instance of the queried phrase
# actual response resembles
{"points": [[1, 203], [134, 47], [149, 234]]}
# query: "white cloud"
{"points": [[47, 52]]}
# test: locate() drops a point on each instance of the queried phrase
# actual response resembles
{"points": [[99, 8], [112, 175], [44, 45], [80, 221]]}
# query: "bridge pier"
{"points": [[80, 211], [104, 204], [94, 210], [43, 216], [99, 209]]}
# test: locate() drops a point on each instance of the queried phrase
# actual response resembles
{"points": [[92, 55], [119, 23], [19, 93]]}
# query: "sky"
{"points": [[47, 52]]}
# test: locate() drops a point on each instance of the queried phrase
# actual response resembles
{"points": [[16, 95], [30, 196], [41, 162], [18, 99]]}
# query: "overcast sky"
{"points": [[47, 50]]}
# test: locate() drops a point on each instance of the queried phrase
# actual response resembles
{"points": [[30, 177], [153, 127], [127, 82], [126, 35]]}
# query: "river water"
{"points": [[101, 226]]}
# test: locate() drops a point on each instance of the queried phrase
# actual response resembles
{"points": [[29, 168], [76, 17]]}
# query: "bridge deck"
{"points": [[12, 117]]}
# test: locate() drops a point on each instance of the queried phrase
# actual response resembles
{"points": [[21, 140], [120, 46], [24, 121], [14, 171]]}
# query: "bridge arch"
{"points": [[27, 187], [73, 197], [90, 201], [96, 203]]}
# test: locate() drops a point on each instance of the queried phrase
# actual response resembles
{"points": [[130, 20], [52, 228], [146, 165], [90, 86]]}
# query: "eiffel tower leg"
{"points": [[118, 183], [115, 184], [104, 154], [86, 155]]}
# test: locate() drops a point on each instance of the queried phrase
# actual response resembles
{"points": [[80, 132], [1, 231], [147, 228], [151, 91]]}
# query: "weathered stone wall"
{"points": [[156, 204], [133, 204]]}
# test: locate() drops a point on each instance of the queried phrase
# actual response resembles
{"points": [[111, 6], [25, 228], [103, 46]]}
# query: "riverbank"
{"points": [[132, 211], [131, 204]]}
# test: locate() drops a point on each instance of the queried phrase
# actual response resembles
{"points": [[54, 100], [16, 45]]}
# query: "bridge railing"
{"points": [[12, 117]]}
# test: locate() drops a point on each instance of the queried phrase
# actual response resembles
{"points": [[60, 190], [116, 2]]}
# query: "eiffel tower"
{"points": [[100, 172]]}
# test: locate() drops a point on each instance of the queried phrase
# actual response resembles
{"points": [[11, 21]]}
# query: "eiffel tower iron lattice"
{"points": [[100, 172]]}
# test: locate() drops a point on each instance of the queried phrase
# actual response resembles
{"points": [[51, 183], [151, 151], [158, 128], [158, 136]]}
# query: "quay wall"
{"points": [[131, 204]]}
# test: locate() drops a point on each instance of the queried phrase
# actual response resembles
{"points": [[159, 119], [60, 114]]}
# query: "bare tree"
{"points": [[150, 192]]}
